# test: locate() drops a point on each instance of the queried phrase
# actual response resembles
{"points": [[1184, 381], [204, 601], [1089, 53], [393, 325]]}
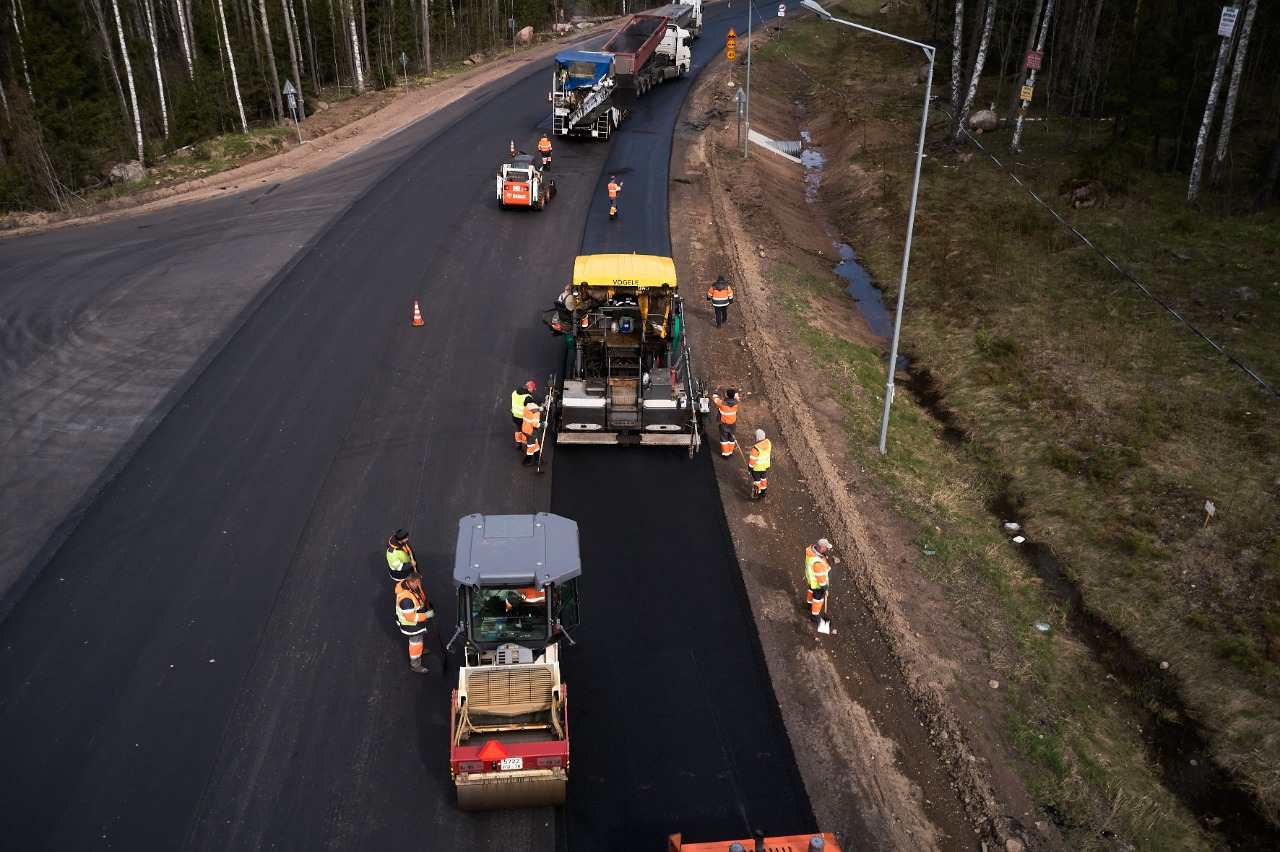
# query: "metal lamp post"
{"points": [[911, 220]]}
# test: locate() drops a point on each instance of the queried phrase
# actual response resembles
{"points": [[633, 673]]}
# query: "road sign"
{"points": [[1227, 23], [1035, 58], [404, 59], [782, 10], [1026, 93], [731, 54], [731, 45]]}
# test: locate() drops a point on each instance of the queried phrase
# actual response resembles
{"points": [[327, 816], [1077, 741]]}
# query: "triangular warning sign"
{"points": [[493, 750], [732, 33]]}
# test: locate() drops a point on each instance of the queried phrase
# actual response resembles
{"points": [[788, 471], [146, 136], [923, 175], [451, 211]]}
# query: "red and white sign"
{"points": [[782, 10], [1034, 59]]}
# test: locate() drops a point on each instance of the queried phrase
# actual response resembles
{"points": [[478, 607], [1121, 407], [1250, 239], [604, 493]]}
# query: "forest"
{"points": [[86, 85]]}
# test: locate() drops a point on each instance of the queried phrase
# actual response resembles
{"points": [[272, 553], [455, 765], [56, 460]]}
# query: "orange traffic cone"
{"points": [[417, 314]]}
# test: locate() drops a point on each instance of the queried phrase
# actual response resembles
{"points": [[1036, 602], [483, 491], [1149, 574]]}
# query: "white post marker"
{"points": [[404, 67]]}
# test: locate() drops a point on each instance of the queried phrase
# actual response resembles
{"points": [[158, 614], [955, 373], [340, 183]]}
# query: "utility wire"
{"points": [[1083, 239]]}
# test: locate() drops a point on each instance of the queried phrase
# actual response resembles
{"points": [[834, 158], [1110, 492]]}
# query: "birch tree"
{"points": [[1031, 79], [184, 38], [231, 61], [1210, 108], [1229, 108], [149, 10], [16, 11], [128, 74], [357, 64], [975, 74], [957, 59]]}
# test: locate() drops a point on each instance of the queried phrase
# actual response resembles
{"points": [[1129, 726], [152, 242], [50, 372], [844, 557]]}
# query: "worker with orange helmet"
{"points": [[519, 398]]}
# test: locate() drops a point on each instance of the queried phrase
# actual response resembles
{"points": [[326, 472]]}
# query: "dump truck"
{"points": [[649, 49], [591, 91], [686, 15], [824, 842], [521, 184], [517, 582], [628, 376]]}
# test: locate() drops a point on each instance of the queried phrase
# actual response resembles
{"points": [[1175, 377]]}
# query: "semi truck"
{"points": [[517, 583], [592, 90], [628, 376]]}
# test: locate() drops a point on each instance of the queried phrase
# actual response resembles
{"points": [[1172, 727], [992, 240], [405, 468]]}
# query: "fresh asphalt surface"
{"points": [[208, 659]]}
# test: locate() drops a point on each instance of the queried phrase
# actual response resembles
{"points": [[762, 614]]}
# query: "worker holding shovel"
{"points": [[817, 575]]}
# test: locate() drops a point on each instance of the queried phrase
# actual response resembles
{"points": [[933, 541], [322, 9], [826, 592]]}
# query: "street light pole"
{"points": [[746, 137], [911, 219]]}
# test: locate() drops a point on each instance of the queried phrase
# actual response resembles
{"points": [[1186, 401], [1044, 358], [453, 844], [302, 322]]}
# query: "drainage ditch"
{"points": [[1174, 740]]}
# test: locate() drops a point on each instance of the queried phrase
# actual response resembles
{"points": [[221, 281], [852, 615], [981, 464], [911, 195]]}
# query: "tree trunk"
{"points": [[1031, 80], [231, 61], [357, 64], [1014, 99], [364, 45], [957, 63], [1206, 126], [184, 36], [128, 73], [271, 62], [19, 17], [293, 58], [155, 57], [311, 45], [1229, 108], [426, 33], [979, 60]]}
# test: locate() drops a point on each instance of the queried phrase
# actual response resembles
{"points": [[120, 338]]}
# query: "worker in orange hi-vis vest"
{"points": [[720, 295], [528, 434], [544, 148], [817, 576], [759, 461], [413, 611], [615, 186], [728, 410]]}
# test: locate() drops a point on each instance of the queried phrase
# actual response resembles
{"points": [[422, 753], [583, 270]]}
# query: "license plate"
{"points": [[511, 763]]}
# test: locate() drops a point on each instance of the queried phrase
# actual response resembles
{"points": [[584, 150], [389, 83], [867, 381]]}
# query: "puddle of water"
{"points": [[869, 299]]}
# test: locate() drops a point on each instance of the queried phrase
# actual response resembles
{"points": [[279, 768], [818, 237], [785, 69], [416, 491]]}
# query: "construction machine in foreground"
{"points": [[522, 184], [628, 375], [517, 582]]}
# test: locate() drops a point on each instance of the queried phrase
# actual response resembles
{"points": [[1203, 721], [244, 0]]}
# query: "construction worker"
{"points": [[720, 295], [544, 148], [528, 435], [528, 596], [615, 186], [413, 611], [728, 410], [817, 576], [520, 397], [400, 561], [758, 461]]}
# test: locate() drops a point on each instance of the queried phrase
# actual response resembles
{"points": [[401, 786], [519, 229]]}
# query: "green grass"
{"points": [[1087, 403]]}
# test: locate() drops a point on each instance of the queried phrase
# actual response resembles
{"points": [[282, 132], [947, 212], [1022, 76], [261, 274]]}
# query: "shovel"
{"points": [[824, 623]]}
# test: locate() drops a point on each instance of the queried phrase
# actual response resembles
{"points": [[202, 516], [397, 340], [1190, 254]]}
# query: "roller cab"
{"points": [[516, 577]]}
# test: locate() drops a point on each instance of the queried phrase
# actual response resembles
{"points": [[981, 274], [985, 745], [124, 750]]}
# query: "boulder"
{"points": [[984, 120], [128, 173], [1084, 194], [525, 36]]}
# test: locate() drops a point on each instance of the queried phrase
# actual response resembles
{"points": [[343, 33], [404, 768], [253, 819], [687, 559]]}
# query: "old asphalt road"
{"points": [[208, 659]]}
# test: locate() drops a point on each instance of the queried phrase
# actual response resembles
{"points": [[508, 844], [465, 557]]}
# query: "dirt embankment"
{"points": [[871, 709]]}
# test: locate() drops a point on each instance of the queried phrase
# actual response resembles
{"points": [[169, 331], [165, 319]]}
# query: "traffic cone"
{"points": [[513, 147], [417, 314]]}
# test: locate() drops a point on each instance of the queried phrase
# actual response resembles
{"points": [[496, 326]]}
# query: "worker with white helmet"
{"points": [[759, 461], [817, 576], [528, 436]]}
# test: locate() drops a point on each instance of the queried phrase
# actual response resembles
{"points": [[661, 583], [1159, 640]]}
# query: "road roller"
{"points": [[517, 583]]}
